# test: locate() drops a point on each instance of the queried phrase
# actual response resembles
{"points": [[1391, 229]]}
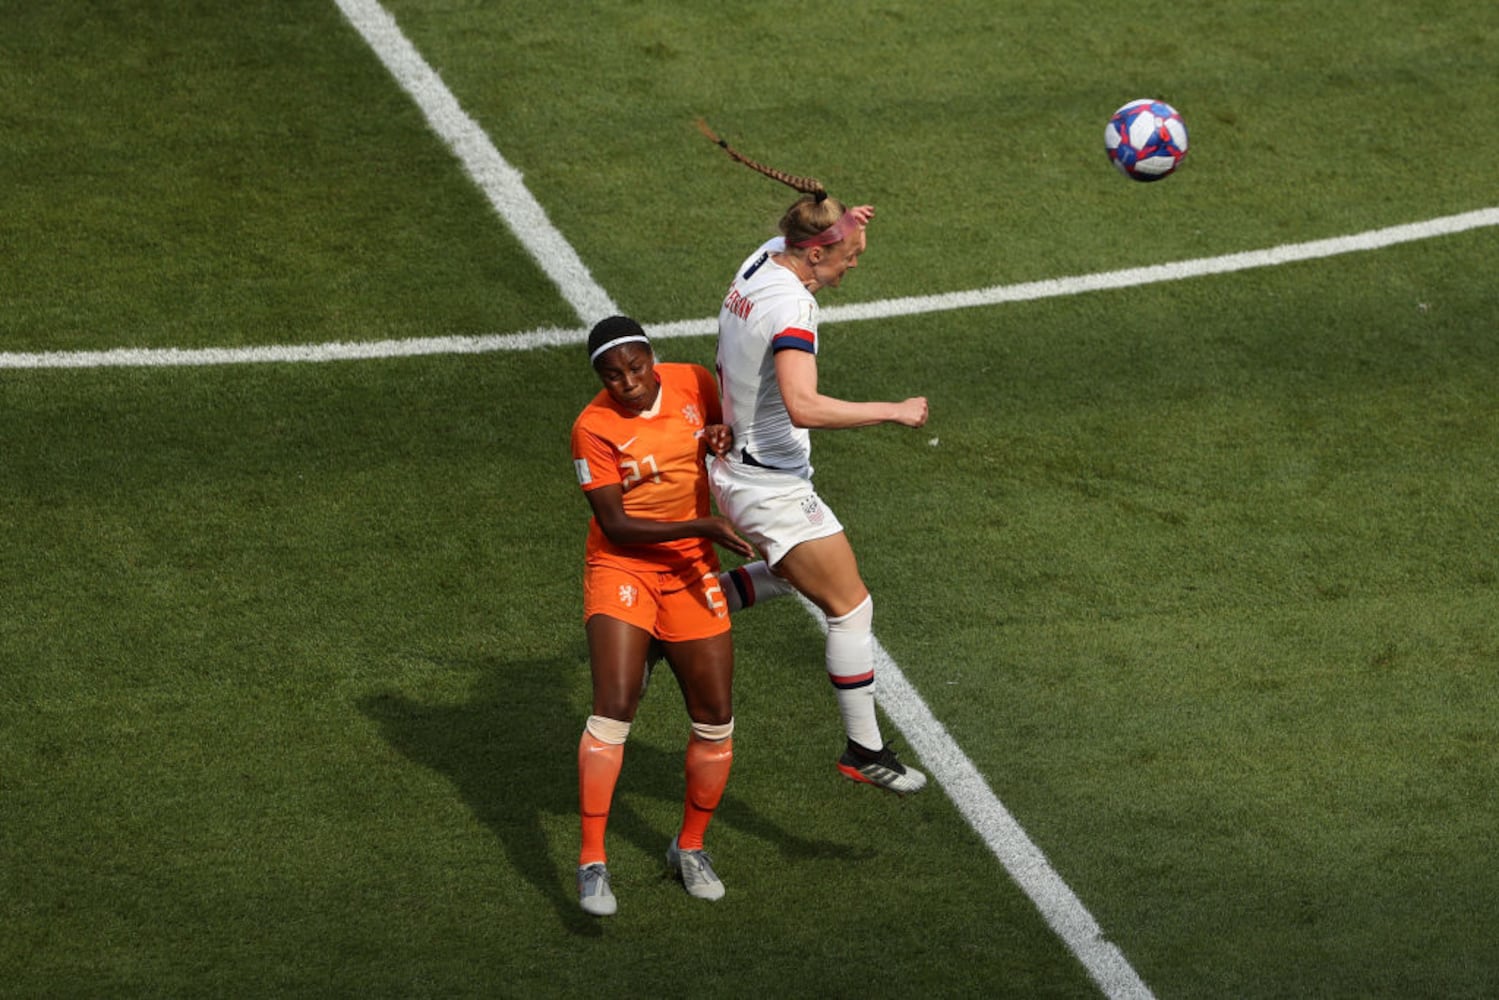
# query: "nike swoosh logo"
{"points": [[628, 443]]}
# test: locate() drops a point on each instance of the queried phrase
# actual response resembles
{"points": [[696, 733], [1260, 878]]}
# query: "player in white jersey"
{"points": [[767, 369], [766, 310]]}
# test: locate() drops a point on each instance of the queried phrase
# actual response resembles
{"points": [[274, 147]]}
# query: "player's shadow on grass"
{"points": [[511, 752]]}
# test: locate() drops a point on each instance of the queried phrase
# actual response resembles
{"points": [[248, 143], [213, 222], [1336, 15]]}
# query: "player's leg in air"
{"points": [[826, 571], [753, 583]]}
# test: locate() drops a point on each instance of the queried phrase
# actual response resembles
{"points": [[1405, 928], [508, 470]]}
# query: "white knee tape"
{"points": [[860, 619], [713, 734], [608, 730]]}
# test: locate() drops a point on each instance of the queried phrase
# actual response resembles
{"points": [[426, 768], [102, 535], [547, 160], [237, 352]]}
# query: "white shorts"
{"points": [[776, 511]]}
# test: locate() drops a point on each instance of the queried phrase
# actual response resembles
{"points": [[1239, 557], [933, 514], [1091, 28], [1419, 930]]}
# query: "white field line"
{"points": [[1064, 913], [499, 181], [1288, 253], [1373, 239]]}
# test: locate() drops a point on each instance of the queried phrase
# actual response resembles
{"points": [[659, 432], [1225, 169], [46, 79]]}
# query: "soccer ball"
{"points": [[1146, 140]]}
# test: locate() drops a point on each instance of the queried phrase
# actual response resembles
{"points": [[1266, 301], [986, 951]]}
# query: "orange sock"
{"points": [[708, 763], [598, 771]]}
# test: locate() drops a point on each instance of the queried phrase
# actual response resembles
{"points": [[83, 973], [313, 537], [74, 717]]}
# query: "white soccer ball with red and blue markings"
{"points": [[1146, 139]]}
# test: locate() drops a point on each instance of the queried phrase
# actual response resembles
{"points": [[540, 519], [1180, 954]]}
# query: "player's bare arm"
{"points": [[796, 373], [622, 529]]}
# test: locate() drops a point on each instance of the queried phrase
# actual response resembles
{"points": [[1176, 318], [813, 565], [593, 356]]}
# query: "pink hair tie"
{"points": [[848, 222]]}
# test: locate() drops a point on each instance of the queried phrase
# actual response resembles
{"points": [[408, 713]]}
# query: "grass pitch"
{"points": [[1197, 574]]}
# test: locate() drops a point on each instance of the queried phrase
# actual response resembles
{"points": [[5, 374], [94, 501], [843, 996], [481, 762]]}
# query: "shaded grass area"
{"points": [[302, 681], [300, 674]]}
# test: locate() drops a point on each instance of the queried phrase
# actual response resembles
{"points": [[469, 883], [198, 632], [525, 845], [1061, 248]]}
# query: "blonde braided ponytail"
{"points": [[805, 185], [810, 215]]}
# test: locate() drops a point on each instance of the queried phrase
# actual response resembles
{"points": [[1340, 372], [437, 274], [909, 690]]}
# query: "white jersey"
{"points": [[767, 310]]}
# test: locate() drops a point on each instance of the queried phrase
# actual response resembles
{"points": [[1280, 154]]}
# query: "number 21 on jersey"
{"points": [[632, 471]]}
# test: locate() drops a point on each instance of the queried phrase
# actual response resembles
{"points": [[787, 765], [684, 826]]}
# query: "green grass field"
{"points": [[1199, 574]]}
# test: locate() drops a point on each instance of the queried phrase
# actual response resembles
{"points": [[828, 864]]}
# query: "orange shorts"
{"points": [[674, 607]]}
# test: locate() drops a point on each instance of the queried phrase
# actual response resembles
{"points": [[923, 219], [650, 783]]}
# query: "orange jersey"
{"points": [[656, 460]]}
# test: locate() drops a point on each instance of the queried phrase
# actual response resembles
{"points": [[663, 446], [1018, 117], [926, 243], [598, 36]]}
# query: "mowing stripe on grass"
{"points": [[1374, 239], [499, 181], [1064, 913]]}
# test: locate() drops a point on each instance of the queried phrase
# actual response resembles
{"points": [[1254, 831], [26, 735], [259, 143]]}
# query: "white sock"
{"points": [[850, 658], [748, 585]]}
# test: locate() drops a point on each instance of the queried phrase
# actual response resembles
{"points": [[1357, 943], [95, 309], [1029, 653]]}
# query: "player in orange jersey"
{"points": [[651, 572]]}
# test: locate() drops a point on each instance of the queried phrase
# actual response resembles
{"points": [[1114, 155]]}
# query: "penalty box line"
{"points": [[1374, 239], [1006, 839], [501, 183]]}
